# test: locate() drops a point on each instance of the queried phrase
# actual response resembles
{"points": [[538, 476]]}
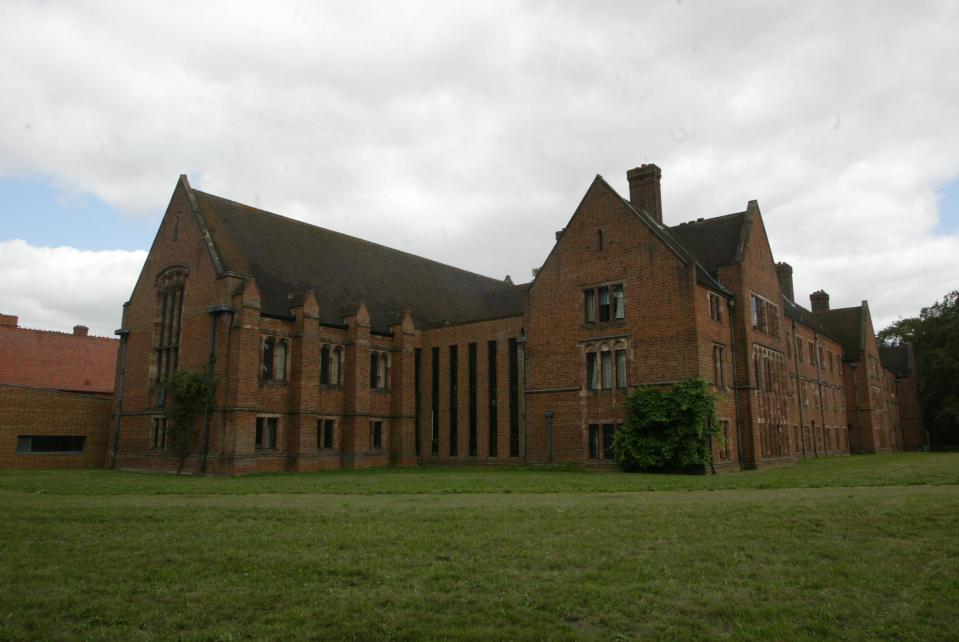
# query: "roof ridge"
{"points": [[353, 238], [707, 220]]}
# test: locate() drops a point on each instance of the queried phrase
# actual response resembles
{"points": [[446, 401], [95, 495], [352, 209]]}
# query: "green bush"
{"points": [[186, 396], [668, 429]]}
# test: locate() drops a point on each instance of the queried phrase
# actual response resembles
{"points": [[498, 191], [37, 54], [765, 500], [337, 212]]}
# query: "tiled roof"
{"points": [[848, 326], [795, 311], [713, 241], [57, 360], [288, 257], [897, 358]]}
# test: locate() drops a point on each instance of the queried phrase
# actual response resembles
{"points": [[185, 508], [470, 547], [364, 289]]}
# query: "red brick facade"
{"points": [[56, 396], [321, 372]]}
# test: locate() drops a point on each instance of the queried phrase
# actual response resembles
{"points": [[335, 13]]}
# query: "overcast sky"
{"points": [[468, 133]]}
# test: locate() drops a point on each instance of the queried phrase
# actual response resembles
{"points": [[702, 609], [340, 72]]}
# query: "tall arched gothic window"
{"points": [[167, 322]]}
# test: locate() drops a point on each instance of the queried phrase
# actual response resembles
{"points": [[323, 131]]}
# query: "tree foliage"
{"points": [[668, 429], [934, 337], [186, 395]]}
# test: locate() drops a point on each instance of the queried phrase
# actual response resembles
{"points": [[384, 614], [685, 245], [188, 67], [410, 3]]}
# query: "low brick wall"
{"points": [[34, 412]]}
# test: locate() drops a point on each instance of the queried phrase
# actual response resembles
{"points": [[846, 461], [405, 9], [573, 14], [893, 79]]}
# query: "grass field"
{"points": [[858, 548]]}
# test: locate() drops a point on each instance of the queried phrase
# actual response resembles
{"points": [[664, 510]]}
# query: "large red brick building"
{"points": [[332, 352], [56, 396]]}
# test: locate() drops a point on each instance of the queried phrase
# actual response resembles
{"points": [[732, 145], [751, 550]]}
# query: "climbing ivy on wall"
{"points": [[668, 429], [186, 396]]}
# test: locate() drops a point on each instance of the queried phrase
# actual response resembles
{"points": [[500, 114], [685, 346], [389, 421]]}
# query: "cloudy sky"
{"points": [[468, 133]]}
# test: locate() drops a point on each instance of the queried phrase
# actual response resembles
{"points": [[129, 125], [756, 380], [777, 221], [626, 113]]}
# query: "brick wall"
{"points": [[30, 411]]}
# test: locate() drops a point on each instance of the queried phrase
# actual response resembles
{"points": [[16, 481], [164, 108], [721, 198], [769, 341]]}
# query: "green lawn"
{"points": [[857, 548]]}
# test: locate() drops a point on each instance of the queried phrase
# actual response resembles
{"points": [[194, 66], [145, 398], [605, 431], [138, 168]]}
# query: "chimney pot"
{"points": [[819, 300], [80, 330], [784, 272], [644, 190]]}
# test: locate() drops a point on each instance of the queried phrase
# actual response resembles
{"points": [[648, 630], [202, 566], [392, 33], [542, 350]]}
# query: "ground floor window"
{"points": [[158, 432], [28, 444], [725, 452], [376, 434], [266, 433], [324, 434], [608, 431], [594, 441]]}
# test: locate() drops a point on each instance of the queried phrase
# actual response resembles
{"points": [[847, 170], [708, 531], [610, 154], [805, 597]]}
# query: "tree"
{"points": [[186, 395], [899, 332], [934, 336], [668, 429]]}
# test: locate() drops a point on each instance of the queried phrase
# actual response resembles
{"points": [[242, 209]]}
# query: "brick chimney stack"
{"points": [[9, 320], [820, 301], [784, 272], [644, 191], [80, 330]]}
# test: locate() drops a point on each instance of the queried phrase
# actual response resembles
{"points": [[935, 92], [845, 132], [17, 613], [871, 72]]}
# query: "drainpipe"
{"points": [[730, 304], [822, 409], [855, 392], [802, 424], [123, 334], [214, 311]]}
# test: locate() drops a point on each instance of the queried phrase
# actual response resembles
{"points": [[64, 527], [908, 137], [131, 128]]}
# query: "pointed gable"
{"points": [[714, 241]]}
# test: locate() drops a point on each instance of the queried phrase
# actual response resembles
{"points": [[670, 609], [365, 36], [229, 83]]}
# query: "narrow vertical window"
{"points": [[589, 305], [599, 239], [718, 370], [621, 372], [606, 362], [513, 398], [769, 377], [472, 399], [269, 347], [604, 304], [594, 441], [258, 438], [592, 372], [619, 311], [820, 355], [491, 379], [376, 437], [454, 400], [812, 353], [169, 315], [417, 378], [282, 350], [384, 372], [271, 423], [608, 431], [759, 378], [435, 403], [799, 348], [374, 370], [335, 366], [325, 365]]}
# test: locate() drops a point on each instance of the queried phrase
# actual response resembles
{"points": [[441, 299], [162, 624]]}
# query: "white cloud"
{"points": [[467, 132], [55, 288]]}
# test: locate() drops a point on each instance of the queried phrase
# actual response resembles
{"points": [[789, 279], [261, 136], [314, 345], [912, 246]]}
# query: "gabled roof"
{"points": [[795, 311], [703, 275], [57, 360], [897, 358], [288, 257], [848, 325], [713, 241]]}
